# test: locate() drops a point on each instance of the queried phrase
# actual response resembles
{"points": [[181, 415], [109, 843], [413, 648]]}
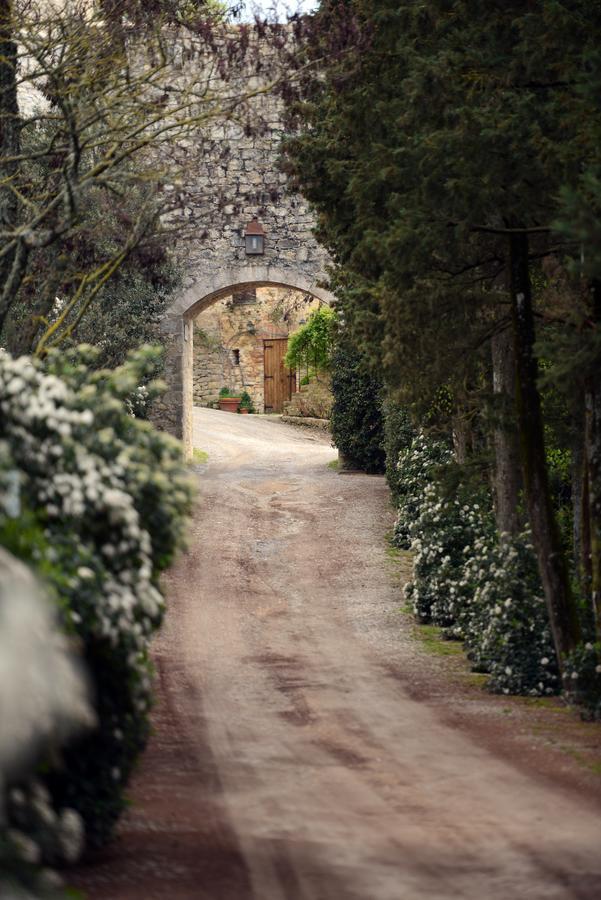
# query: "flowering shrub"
{"points": [[44, 699], [504, 619], [441, 538], [483, 591], [111, 495], [583, 673], [415, 472]]}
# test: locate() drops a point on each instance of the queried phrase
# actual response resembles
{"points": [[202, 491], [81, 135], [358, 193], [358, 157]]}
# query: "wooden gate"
{"points": [[280, 382]]}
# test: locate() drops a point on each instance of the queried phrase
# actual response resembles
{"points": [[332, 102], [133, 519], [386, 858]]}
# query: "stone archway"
{"points": [[235, 180], [174, 411]]}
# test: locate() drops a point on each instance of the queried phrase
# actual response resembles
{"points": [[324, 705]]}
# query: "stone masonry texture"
{"points": [[233, 178], [229, 336]]}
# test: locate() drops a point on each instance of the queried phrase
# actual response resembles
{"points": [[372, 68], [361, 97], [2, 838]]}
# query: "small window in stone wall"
{"points": [[244, 298], [236, 357]]}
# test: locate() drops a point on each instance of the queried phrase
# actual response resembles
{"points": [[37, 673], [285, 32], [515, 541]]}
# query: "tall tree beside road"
{"points": [[440, 161]]}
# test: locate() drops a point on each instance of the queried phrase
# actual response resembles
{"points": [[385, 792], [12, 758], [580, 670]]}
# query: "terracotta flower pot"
{"points": [[243, 410], [229, 404]]}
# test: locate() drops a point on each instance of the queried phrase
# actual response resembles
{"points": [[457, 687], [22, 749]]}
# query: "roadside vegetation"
{"points": [[97, 100], [451, 152], [452, 159]]}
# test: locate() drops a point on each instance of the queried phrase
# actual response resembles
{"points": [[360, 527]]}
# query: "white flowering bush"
{"points": [[415, 467], [441, 539], [583, 676], [504, 620], [482, 590], [111, 495]]}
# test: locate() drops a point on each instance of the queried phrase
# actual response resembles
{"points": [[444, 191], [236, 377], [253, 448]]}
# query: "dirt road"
{"points": [[303, 749]]}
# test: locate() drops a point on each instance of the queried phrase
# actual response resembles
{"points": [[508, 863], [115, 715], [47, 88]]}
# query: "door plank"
{"points": [[280, 381]]}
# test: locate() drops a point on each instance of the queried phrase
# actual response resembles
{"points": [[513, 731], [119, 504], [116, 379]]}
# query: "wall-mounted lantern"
{"points": [[254, 237]]}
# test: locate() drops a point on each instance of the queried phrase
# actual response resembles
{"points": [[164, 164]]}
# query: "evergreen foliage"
{"points": [[449, 158], [398, 435], [357, 424]]}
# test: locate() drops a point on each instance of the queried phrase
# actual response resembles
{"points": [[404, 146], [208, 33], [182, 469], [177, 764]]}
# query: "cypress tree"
{"points": [[435, 162]]}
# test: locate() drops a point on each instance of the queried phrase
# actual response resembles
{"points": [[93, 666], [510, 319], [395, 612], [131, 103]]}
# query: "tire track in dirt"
{"points": [[305, 749]]}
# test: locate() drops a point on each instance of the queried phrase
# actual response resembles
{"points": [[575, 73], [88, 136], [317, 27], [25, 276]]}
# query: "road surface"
{"points": [[302, 748]]}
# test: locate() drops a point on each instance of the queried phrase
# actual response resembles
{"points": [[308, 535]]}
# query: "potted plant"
{"points": [[246, 404], [228, 402]]}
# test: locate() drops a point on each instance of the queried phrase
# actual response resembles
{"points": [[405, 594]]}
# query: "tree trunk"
{"points": [[507, 479], [9, 132], [25, 317], [592, 431], [578, 501], [461, 438], [562, 610]]}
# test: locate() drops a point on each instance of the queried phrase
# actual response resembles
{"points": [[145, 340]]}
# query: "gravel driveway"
{"points": [[306, 748]]}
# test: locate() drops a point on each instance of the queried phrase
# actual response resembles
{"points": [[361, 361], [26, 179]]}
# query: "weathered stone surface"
{"points": [[229, 336], [235, 178], [313, 400]]}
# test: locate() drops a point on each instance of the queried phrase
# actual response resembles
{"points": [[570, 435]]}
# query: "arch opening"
{"points": [[176, 411]]}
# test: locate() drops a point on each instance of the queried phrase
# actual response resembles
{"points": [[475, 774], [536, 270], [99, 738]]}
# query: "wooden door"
{"points": [[280, 382]]}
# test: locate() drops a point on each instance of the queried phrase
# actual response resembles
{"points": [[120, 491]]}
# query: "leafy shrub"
{"points": [[128, 311], [441, 537], [583, 674], [246, 402], [310, 345], [415, 471], [398, 435], [44, 699], [480, 590], [504, 620], [111, 494], [357, 424]]}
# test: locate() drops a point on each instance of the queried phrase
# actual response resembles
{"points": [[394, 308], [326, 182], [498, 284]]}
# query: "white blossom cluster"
{"points": [[39, 833], [44, 699], [103, 498], [480, 589], [85, 487], [504, 618], [43, 690], [441, 539], [415, 465]]}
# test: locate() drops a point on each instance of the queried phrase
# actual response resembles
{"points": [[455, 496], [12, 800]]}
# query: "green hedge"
{"points": [[357, 421], [398, 435]]}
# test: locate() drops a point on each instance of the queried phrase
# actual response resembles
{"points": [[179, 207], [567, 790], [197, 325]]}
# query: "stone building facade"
{"points": [[234, 178], [229, 340]]}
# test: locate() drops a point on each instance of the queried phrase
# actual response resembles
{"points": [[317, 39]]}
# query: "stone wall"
{"points": [[312, 401], [233, 177], [229, 335]]}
